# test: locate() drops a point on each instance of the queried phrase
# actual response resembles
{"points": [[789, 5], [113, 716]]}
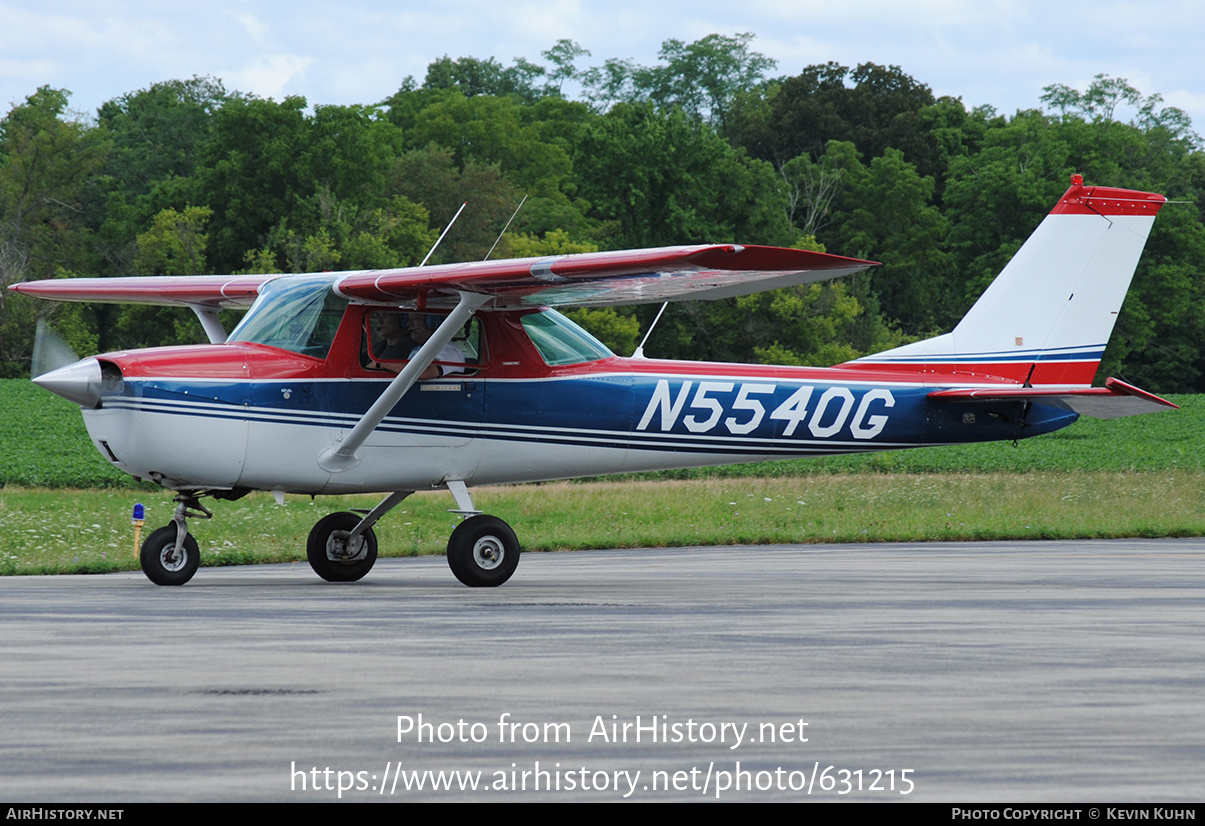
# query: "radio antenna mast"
{"points": [[639, 354], [445, 232], [505, 228]]}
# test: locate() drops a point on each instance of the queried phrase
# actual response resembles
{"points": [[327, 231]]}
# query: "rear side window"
{"points": [[560, 341]]}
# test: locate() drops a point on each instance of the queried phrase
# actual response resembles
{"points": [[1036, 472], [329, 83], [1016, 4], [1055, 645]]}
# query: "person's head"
{"points": [[389, 325], [421, 326]]}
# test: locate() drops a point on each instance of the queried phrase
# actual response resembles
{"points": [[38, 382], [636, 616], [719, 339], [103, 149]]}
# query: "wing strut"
{"points": [[342, 456], [208, 316]]}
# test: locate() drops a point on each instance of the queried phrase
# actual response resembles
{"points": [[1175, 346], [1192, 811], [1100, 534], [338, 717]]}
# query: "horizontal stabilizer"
{"points": [[1114, 400]]}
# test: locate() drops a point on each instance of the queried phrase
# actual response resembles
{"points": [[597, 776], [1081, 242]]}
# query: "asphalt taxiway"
{"points": [[1036, 671]]}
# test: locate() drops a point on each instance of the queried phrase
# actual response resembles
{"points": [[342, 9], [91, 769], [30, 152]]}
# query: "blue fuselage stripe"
{"points": [[699, 414]]}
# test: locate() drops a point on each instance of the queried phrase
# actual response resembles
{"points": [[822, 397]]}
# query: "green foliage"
{"points": [[45, 159], [705, 78], [805, 325], [563, 56], [325, 234], [667, 179], [156, 132], [43, 442], [490, 130], [808, 110], [429, 176], [175, 243], [250, 175], [889, 217], [1100, 102], [556, 242], [474, 77]]}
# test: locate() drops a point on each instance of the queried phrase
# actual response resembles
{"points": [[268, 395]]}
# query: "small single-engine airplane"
{"points": [[452, 376]]}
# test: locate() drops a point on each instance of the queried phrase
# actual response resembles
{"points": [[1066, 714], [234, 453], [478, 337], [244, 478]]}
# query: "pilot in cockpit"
{"points": [[391, 342], [420, 327], [397, 337]]}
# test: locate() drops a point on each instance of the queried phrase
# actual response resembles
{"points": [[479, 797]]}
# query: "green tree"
{"points": [[250, 175], [473, 77], [881, 109], [46, 156], [705, 78], [157, 132], [325, 234], [268, 163], [431, 177], [563, 56], [885, 213], [665, 178], [175, 243]]}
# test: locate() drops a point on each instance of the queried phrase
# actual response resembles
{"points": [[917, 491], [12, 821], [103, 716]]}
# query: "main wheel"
{"points": [[483, 552], [160, 562], [329, 538]]}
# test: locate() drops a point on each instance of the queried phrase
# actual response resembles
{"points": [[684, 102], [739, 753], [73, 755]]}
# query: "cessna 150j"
{"points": [[317, 390]]}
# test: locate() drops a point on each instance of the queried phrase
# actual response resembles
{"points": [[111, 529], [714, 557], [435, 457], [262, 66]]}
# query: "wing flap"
{"points": [[1114, 400]]}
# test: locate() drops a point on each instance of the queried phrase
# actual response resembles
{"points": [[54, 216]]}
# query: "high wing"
{"points": [[209, 291], [589, 279]]}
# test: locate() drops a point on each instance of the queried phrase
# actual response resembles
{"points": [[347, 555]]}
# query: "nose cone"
{"points": [[79, 382]]}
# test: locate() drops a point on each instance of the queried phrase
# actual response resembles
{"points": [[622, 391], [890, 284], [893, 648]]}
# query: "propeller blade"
{"points": [[50, 352]]}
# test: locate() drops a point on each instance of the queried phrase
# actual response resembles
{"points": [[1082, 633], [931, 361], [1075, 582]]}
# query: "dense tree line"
{"points": [[706, 145]]}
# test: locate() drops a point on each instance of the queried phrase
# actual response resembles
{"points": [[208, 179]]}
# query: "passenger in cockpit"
{"points": [[420, 328]]}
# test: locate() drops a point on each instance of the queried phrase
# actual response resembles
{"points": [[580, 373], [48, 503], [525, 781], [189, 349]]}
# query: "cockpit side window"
{"points": [[298, 314], [392, 337]]}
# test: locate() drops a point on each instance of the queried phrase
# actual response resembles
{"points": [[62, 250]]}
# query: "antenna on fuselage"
{"points": [[445, 232], [505, 228], [639, 354]]}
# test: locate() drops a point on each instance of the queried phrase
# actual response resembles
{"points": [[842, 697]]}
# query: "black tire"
{"points": [[483, 552], [332, 570], [160, 562]]}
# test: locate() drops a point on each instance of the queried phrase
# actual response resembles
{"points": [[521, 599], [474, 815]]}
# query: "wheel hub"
{"points": [[171, 560], [339, 549], [488, 552]]}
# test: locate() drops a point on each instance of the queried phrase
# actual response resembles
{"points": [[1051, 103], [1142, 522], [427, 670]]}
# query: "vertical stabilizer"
{"points": [[1047, 317]]}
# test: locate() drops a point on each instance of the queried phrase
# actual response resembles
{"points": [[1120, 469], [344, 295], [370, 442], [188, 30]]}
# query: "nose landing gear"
{"points": [[170, 556]]}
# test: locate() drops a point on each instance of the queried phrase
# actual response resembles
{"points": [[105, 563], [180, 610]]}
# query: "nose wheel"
{"points": [[166, 561]]}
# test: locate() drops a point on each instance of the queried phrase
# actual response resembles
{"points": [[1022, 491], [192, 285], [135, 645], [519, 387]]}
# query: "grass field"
{"points": [[63, 509]]}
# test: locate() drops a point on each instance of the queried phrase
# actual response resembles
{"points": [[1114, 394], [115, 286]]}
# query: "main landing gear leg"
{"points": [[170, 556], [483, 551], [342, 547]]}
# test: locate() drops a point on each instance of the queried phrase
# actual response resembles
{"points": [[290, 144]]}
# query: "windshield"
{"points": [[560, 341], [296, 313]]}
